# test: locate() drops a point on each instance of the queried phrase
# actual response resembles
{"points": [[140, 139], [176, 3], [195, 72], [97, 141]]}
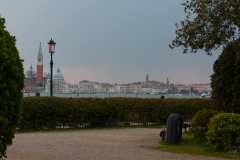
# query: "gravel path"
{"points": [[105, 144]]}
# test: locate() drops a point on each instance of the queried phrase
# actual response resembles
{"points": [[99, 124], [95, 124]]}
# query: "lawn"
{"points": [[191, 146]]}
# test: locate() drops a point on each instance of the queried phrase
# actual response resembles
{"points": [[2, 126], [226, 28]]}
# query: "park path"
{"points": [[102, 144]]}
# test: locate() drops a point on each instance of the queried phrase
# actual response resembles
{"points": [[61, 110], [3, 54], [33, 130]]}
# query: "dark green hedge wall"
{"points": [[50, 113]]}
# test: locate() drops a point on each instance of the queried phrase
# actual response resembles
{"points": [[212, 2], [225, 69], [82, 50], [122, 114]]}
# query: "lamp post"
{"points": [[51, 47]]}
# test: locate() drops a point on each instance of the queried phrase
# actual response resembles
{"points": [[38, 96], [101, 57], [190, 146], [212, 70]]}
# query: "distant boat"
{"points": [[154, 93], [205, 95]]}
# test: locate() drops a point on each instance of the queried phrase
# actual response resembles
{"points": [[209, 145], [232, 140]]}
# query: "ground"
{"points": [[95, 144]]}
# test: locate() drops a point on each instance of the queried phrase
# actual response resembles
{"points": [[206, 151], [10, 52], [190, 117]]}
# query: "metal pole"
{"points": [[51, 78]]}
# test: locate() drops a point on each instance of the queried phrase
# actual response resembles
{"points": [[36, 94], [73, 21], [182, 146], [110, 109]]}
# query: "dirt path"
{"points": [[107, 144]]}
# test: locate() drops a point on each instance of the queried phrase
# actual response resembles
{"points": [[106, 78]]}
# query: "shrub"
{"points": [[200, 123], [53, 112], [11, 84], [224, 131]]}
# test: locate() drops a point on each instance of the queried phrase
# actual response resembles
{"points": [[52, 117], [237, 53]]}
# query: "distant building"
{"points": [[59, 82], [40, 67], [202, 88], [38, 82], [183, 88], [116, 88], [103, 87], [147, 77], [30, 80], [72, 88], [86, 86], [35, 81], [167, 83]]}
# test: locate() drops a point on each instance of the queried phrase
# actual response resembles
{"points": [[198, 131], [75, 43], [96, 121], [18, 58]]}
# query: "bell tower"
{"points": [[147, 77], [40, 66]]}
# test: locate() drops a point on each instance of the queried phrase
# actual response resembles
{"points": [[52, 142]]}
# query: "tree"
{"points": [[11, 84], [236, 82], [226, 74], [209, 24]]}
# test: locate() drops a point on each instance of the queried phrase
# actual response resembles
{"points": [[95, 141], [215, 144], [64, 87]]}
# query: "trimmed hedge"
{"points": [[53, 112]]}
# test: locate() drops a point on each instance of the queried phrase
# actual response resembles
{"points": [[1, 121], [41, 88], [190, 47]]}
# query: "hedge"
{"points": [[53, 112]]}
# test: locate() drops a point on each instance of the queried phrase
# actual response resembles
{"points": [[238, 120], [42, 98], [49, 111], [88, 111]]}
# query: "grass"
{"points": [[192, 147]]}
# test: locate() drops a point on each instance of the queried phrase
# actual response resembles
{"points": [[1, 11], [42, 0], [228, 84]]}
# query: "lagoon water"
{"points": [[109, 95]]}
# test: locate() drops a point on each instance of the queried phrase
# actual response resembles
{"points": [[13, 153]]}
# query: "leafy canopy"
{"points": [[208, 25]]}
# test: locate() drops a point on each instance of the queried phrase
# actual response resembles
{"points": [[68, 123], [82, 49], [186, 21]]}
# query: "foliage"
{"points": [[53, 112], [226, 78], [208, 25], [200, 123], [11, 84], [224, 131]]}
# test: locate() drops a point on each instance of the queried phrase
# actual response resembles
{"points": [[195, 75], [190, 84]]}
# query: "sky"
{"points": [[116, 41]]}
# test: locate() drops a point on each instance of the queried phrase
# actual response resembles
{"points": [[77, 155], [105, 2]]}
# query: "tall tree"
{"points": [[209, 24], [225, 80], [11, 84], [236, 82]]}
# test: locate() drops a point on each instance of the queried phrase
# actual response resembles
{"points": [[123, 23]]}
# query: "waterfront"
{"points": [[110, 95]]}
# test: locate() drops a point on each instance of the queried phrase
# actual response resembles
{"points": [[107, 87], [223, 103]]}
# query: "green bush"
{"points": [[200, 123], [224, 131], [11, 84], [53, 112]]}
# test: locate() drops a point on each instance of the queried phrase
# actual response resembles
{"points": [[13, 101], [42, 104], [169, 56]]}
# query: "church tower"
{"points": [[167, 83], [40, 66], [147, 77]]}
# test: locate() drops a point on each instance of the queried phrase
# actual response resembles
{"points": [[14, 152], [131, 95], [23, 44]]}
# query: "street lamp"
{"points": [[51, 47]]}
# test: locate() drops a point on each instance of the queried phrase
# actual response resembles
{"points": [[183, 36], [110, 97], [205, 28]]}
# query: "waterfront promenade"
{"points": [[93, 144]]}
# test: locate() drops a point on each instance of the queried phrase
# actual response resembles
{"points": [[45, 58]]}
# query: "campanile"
{"points": [[40, 65]]}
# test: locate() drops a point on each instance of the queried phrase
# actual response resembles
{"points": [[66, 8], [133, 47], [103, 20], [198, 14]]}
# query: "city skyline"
{"points": [[41, 71], [107, 41], [37, 82]]}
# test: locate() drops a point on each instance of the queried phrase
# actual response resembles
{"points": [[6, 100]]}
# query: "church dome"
{"points": [[59, 75]]}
